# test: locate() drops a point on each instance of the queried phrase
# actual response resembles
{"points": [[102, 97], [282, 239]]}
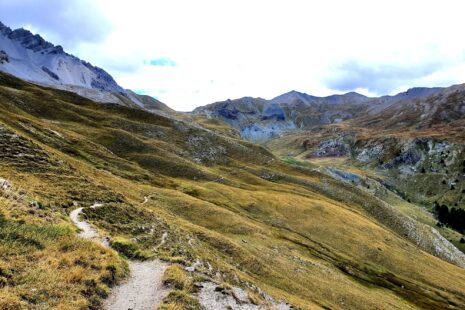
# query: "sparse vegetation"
{"points": [[176, 277], [178, 299]]}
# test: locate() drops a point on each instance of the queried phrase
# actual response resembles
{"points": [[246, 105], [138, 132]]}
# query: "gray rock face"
{"points": [[265, 130], [344, 175], [49, 72], [4, 29], [331, 148], [30, 57], [33, 42], [390, 153], [3, 57]]}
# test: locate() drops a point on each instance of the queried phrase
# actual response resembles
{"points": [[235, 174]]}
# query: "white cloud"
{"points": [[66, 23], [229, 49]]}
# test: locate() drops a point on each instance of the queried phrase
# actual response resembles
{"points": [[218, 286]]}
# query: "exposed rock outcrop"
{"points": [[3, 57]]}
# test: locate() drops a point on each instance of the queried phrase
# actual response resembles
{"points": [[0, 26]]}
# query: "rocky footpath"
{"points": [[144, 287], [212, 297]]}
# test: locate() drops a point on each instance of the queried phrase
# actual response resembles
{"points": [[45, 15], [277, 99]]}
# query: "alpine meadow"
{"points": [[111, 198]]}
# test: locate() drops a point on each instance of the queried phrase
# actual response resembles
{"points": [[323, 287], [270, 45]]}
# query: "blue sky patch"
{"points": [[162, 62]]}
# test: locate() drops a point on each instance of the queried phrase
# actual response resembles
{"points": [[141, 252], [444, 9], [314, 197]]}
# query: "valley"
{"points": [[112, 200], [234, 213]]}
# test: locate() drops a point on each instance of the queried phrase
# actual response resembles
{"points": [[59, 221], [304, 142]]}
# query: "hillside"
{"points": [[414, 147], [231, 212]]}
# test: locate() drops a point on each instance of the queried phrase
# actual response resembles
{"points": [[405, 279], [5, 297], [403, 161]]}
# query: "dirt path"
{"points": [[143, 290], [87, 231]]}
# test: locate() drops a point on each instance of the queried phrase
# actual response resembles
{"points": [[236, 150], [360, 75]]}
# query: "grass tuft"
{"points": [[176, 277]]}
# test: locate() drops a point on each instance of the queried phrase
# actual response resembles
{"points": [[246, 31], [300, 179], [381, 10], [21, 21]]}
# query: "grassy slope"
{"points": [[293, 232], [422, 187], [42, 263]]}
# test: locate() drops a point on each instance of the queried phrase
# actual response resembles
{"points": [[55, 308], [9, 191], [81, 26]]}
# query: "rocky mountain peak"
{"points": [[4, 29], [293, 97], [32, 41], [354, 94], [49, 64]]}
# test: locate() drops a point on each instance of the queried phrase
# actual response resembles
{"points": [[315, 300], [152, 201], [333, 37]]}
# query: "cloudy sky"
{"points": [[190, 53]]}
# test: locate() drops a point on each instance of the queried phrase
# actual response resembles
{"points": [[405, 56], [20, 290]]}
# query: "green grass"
{"points": [[129, 249], [178, 299], [296, 162], [176, 277]]}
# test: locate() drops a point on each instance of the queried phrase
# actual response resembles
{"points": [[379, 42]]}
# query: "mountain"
{"points": [[295, 97], [425, 109], [254, 118], [259, 120], [30, 57]]}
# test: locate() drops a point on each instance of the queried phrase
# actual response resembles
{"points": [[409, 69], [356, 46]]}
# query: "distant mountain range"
{"points": [[258, 119]]}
